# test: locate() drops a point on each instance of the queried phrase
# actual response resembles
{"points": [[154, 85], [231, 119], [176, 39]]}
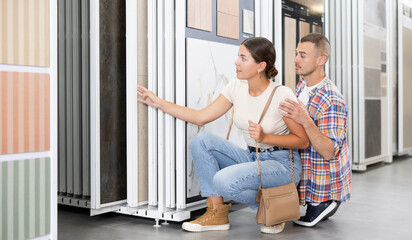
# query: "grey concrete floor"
{"points": [[380, 208]]}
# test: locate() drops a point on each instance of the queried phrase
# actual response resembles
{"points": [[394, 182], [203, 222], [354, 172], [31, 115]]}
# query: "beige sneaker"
{"points": [[273, 229], [213, 220]]}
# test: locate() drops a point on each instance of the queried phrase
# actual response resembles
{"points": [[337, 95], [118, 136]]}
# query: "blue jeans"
{"points": [[226, 170]]}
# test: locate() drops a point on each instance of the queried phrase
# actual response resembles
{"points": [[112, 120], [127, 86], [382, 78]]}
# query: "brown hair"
{"points": [[320, 41], [262, 50]]}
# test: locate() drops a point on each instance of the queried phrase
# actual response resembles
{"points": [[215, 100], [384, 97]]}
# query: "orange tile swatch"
{"points": [[24, 32], [24, 112]]}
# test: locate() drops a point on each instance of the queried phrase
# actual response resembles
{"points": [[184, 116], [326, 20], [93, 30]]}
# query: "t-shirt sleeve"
{"points": [[228, 90], [286, 92]]}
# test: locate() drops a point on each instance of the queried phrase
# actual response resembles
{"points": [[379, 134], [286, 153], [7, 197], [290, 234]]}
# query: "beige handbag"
{"points": [[276, 204]]}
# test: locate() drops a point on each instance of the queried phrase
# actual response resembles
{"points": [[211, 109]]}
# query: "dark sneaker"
{"points": [[315, 214]]}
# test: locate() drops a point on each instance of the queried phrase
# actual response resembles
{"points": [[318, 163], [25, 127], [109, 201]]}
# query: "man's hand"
{"points": [[255, 131], [295, 111]]}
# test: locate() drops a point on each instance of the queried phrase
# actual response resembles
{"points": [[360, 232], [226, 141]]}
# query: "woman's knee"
{"points": [[200, 140], [221, 183]]}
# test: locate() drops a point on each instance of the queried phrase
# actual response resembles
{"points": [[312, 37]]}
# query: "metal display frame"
{"points": [[359, 160]]}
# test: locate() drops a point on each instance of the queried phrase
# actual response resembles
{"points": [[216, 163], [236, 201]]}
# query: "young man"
{"points": [[326, 164]]}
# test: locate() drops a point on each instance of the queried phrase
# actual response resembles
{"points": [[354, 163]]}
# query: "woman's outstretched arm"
{"points": [[199, 117]]}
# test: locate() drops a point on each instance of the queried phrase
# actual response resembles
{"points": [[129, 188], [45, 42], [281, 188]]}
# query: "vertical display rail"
{"points": [[355, 80], [62, 96], [85, 28], [169, 85], [347, 73], [338, 46], [131, 106], [180, 100], [328, 15], [94, 103], [69, 97], [160, 114], [77, 106], [152, 115], [400, 76], [361, 81], [266, 22], [390, 67], [277, 32]]}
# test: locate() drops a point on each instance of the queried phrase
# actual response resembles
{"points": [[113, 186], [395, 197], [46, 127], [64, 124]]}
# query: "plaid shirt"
{"points": [[321, 179]]}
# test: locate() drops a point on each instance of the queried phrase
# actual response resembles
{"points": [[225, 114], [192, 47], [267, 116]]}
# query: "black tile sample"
{"points": [[113, 100]]}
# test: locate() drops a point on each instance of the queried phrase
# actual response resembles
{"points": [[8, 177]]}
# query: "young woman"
{"points": [[224, 169]]}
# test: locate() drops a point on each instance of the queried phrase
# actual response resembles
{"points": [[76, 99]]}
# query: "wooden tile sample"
{"points": [[228, 18], [24, 112], [317, 29], [199, 14], [228, 6], [290, 49], [304, 29], [24, 32], [227, 25]]}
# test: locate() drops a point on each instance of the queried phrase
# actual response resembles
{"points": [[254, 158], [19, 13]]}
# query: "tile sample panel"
{"points": [[373, 137], [24, 32], [289, 54], [228, 6], [209, 69], [407, 88], [227, 25], [142, 71], [199, 14], [304, 29], [25, 198], [228, 18], [372, 49], [112, 100], [25, 112], [317, 29], [248, 21]]}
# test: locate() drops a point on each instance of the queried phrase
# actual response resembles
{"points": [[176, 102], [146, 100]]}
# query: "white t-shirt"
{"points": [[304, 94], [247, 107]]}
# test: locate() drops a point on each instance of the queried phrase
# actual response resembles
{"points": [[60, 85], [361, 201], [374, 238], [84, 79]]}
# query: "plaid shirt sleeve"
{"points": [[332, 123]]}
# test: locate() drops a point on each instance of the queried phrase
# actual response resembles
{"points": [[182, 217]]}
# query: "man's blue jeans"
{"points": [[227, 170]]}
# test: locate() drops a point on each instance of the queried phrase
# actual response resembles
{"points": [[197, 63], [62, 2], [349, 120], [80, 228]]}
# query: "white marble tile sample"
{"points": [[209, 68], [248, 21]]}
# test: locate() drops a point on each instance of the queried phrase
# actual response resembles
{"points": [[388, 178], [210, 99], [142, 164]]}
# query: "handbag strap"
{"points": [[261, 116], [257, 149]]}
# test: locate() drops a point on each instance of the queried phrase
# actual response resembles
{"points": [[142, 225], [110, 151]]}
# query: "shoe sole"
{"points": [[272, 230], [332, 212], [191, 227], [322, 216]]}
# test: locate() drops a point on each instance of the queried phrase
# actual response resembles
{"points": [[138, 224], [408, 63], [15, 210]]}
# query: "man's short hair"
{"points": [[320, 41]]}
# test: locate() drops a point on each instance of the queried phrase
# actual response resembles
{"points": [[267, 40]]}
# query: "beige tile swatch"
{"points": [[290, 48], [24, 32], [228, 6], [199, 14], [228, 18], [227, 25], [304, 29]]}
